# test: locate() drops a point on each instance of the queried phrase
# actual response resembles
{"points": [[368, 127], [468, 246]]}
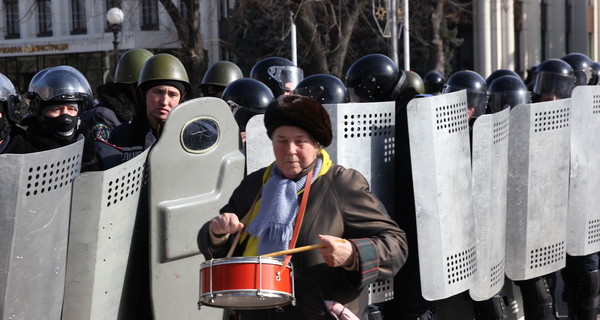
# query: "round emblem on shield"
{"points": [[200, 135]]}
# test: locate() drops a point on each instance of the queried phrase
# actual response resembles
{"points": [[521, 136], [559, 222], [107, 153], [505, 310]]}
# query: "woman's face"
{"points": [[294, 148]]}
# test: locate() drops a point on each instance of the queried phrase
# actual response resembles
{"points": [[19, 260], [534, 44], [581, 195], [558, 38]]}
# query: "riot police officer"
{"points": [[219, 76], [581, 275], [497, 74], [247, 98], [414, 80], [595, 79], [163, 83], [58, 97], [554, 80], [323, 88], [476, 91], [279, 74], [9, 101], [582, 67], [507, 92], [118, 99], [373, 78], [433, 82]]}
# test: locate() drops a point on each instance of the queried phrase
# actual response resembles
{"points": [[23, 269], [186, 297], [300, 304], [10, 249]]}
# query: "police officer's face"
{"points": [[160, 100], [59, 110], [294, 148]]}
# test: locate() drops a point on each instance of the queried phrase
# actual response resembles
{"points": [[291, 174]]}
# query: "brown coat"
{"points": [[340, 204]]}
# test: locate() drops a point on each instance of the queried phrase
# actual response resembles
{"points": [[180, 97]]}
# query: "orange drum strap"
{"points": [[298, 220]]}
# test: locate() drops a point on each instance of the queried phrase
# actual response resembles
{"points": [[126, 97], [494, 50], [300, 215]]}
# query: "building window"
{"points": [[149, 14], [44, 18], [79, 22], [12, 19]]}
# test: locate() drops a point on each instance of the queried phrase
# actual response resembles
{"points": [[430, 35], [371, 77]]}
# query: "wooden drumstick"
{"points": [[296, 250], [234, 244]]}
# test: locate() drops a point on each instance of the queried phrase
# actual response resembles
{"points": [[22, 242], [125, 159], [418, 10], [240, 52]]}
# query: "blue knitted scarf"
{"points": [[274, 223]]}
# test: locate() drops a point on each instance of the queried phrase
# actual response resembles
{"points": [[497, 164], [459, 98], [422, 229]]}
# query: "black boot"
{"points": [[582, 297], [491, 309], [538, 303]]}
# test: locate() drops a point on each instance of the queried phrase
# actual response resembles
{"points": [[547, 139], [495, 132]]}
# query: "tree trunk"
{"points": [[437, 49], [192, 53]]}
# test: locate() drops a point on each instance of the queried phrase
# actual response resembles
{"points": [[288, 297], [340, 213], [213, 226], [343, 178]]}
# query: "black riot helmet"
{"points": [[476, 90], [9, 100], [323, 88], [218, 76], [499, 73], [279, 74], [507, 92], [582, 67], [554, 80], [247, 98], [433, 82], [595, 80], [373, 78], [59, 84], [531, 74]]}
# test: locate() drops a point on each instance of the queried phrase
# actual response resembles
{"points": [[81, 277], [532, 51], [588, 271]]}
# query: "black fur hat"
{"points": [[299, 111]]}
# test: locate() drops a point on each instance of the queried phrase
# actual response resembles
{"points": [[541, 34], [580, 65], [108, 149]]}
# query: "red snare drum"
{"points": [[246, 283]]}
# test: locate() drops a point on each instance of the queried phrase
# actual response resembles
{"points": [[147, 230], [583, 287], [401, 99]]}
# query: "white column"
{"points": [[482, 39], [530, 41], [579, 29], [556, 45], [508, 39]]}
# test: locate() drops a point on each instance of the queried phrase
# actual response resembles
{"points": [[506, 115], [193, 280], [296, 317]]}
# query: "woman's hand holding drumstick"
{"points": [[225, 223], [336, 251]]}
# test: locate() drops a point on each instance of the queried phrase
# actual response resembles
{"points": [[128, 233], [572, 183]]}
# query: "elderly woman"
{"points": [[360, 242]]}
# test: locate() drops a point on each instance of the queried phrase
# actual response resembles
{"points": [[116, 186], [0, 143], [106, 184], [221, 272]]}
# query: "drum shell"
{"points": [[240, 278]]}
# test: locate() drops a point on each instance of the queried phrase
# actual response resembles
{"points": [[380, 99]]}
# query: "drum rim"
{"points": [[286, 296], [247, 259]]}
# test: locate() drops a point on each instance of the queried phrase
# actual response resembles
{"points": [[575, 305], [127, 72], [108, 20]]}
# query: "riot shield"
{"points": [[489, 165], [35, 203], [441, 169], [193, 170], [583, 235], [363, 139], [538, 185], [102, 221], [259, 150]]}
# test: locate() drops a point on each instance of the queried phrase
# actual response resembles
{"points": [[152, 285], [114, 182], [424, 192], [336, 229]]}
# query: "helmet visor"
{"points": [[287, 76], [550, 84], [501, 100]]}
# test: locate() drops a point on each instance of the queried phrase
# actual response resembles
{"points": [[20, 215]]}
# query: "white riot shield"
{"points": [[441, 169], [194, 168], [259, 150], [35, 202], [489, 166], [538, 189], [102, 221], [363, 139], [583, 235]]}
